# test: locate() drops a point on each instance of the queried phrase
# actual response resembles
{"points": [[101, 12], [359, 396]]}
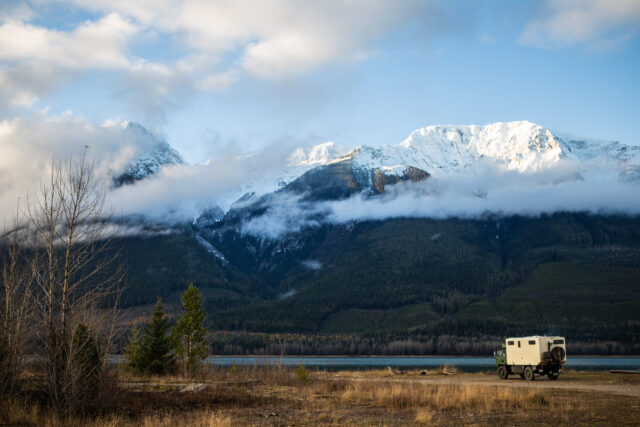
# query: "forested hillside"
{"points": [[568, 273]]}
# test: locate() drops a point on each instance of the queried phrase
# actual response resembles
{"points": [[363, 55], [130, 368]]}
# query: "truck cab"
{"points": [[531, 356]]}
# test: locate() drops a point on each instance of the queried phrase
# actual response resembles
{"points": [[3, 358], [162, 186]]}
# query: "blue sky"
{"points": [[209, 74]]}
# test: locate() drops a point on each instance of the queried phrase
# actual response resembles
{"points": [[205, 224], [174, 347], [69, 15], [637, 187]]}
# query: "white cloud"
{"points": [[218, 81], [273, 38], [99, 44], [599, 190], [594, 187], [34, 60], [596, 23], [181, 193], [176, 193], [213, 43], [153, 88], [13, 10], [20, 85], [28, 146]]}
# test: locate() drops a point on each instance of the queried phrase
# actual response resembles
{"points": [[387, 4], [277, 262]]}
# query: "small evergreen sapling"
{"points": [[133, 352], [155, 352], [189, 332], [302, 374]]}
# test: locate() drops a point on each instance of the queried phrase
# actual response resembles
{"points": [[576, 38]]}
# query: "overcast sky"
{"points": [[207, 74]]}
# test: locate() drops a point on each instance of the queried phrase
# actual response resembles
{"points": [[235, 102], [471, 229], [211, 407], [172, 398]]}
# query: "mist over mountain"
{"points": [[156, 154], [437, 171]]}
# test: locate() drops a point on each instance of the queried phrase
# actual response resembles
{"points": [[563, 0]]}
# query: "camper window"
{"points": [[518, 344], [558, 341], [532, 342], [510, 342]]}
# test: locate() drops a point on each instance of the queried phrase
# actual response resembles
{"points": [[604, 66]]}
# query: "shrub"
{"points": [[302, 374]]}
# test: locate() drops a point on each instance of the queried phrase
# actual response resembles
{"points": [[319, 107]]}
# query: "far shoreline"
{"points": [[397, 356], [378, 356]]}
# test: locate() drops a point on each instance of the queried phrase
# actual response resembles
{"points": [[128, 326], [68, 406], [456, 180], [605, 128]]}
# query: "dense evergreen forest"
{"points": [[411, 281]]}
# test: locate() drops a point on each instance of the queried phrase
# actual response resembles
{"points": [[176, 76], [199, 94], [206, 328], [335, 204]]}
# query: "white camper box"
{"points": [[531, 350]]}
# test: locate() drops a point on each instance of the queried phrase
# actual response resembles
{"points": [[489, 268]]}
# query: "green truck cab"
{"points": [[501, 356]]}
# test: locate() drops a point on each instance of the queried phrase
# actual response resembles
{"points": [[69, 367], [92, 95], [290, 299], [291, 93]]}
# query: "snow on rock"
{"points": [[154, 154], [520, 145], [588, 149], [439, 150], [318, 155], [211, 249], [443, 150]]}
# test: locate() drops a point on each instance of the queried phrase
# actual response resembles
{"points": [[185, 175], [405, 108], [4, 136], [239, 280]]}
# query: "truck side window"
{"points": [[510, 342], [532, 342], [518, 344]]}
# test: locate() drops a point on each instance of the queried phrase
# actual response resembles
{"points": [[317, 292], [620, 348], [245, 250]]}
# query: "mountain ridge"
{"points": [[438, 150]]}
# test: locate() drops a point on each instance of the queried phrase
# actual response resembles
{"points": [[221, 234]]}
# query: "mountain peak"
{"points": [[317, 155], [153, 154], [519, 145]]}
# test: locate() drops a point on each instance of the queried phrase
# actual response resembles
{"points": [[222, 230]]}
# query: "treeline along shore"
{"points": [[247, 343]]}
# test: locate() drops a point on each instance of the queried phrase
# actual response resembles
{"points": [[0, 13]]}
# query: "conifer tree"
{"points": [[133, 352], [155, 353], [189, 332]]}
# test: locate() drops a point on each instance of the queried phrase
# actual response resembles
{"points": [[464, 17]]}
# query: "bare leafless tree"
{"points": [[16, 295], [78, 270]]}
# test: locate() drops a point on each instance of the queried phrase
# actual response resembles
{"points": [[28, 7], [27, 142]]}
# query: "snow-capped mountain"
{"points": [[522, 146], [318, 155], [438, 151], [435, 151], [261, 182], [155, 154]]}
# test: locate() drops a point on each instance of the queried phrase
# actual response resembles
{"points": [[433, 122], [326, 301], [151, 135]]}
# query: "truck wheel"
{"points": [[502, 372], [528, 374]]}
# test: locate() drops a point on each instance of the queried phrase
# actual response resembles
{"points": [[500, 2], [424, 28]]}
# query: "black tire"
{"points": [[502, 372], [528, 374]]}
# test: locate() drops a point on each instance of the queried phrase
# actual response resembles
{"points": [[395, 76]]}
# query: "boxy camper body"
{"points": [[531, 356]]}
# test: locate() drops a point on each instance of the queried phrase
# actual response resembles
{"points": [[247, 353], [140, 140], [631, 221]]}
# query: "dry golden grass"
{"points": [[204, 419], [17, 413], [443, 397], [258, 396], [424, 416]]}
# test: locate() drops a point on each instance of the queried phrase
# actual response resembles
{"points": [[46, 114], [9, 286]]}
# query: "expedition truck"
{"points": [[531, 356]]}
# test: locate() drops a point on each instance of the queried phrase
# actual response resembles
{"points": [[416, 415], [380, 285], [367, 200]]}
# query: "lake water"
{"points": [[468, 364]]}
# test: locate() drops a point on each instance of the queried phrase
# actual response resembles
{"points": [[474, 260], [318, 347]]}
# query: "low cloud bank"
{"points": [[594, 187], [175, 194], [181, 193], [30, 145]]}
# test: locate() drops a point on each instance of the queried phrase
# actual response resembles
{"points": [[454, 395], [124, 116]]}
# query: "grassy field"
{"points": [[283, 396]]}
